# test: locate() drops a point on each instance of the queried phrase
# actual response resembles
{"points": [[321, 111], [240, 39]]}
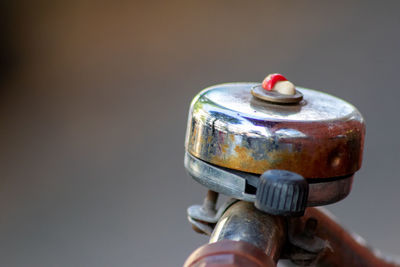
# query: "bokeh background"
{"points": [[93, 105]]}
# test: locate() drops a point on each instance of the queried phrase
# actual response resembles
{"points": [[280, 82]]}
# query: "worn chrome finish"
{"points": [[204, 217], [275, 97], [227, 182], [235, 183], [243, 222], [328, 192], [320, 137]]}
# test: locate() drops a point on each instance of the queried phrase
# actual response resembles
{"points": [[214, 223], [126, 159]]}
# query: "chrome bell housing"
{"points": [[233, 136]]}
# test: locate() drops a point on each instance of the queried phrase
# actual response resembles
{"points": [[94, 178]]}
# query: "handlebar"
{"points": [[245, 236]]}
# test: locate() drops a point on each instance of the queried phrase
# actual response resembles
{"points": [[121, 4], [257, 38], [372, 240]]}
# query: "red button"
{"points": [[270, 81]]}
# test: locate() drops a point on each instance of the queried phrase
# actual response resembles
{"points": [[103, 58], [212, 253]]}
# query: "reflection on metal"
{"points": [[233, 137], [224, 181], [320, 137], [243, 222], [328, 192]]}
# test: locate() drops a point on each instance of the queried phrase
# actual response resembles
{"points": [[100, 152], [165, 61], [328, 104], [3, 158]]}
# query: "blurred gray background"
{"points": [[93, 106]]}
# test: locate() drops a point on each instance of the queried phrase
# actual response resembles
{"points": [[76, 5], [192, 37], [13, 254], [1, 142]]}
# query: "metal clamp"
{"points": [[204, 217], [305, 247], [243, 186]]}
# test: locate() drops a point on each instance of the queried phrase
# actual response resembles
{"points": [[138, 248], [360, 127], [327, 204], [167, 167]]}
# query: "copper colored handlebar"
{"points": [[229, 253], [243, 236], [246, 237], [343, 248]]}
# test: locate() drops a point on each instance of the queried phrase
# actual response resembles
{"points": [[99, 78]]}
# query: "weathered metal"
{"points": [[204, 217], [344, 249], [242, 185], [233, 137], [314, 239], [320, 137], [243, 222]]}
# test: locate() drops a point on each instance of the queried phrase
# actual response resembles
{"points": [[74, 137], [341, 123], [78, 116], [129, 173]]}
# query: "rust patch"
{"points": [[224, 148], [329, 150], [244, 161]]}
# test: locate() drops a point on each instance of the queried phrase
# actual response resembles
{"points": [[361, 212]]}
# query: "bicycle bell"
{"points": [[281, 146]]}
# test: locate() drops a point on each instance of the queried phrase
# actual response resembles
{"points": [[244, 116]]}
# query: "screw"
{"points": [[210, 202], [310, 227]]}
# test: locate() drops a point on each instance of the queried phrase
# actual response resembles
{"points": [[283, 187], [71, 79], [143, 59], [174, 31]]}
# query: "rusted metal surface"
{"points": [[314, 239], [344, 249], [328, 191], [321, 137], [304, 246]]}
